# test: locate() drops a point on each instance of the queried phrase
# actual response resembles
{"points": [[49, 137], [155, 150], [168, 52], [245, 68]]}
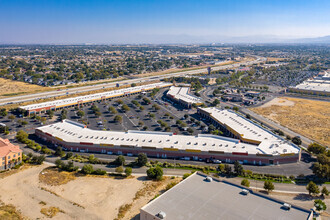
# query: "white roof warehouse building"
{"points": [[77, 137], [197, 198], [247, 131], [69, 102], [182, 96]]}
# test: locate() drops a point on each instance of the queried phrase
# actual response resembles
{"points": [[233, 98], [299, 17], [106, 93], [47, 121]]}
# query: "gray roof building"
{"points": [[202, 197]]}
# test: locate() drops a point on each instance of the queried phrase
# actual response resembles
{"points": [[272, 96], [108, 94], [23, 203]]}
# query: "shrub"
{"points": [[128, 171], [320, 205], [99, 172], [186, 175], [245, 182], [312, 188], [119, 169], [170, 185], [87, 169], [155, 173]]}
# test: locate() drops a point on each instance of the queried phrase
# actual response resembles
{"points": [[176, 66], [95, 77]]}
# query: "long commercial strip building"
{"points": [[319, 85], [76, 101], [74, 136], [237, 126], [204, 197], [181, 95]]}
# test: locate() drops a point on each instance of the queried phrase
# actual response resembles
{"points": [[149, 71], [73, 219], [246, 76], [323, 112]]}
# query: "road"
{"points": [[72, 91]]}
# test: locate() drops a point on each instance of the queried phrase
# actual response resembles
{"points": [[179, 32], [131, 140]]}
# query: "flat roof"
{"points": [[315, 85], [182, 93], [74, 132], [96, 96], [251, 131], [195, 199]]}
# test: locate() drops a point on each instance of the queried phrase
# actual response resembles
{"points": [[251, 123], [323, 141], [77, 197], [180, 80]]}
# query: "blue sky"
{"points": [[157, 21]]}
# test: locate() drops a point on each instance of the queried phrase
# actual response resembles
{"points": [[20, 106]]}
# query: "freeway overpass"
{"points": [[72, 91]]}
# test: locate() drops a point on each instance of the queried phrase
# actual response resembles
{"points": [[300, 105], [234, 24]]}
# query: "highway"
{"points": [[76, 90]]}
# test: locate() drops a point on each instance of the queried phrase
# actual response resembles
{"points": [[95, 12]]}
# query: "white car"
{"points": [[217, 161]]}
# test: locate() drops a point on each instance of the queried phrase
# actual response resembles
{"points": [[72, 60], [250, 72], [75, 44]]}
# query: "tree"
{"points": [[227, 169], [80, 113], [59, 152], [68, 155], [59, 163], [118, 118], [190, 130], [11, 117], [22, 136], [112, 110], [119, 101], [3, 112], [120, 160], [316, 148], [269, 186], [125, 108], [98, 114], [38, 159], [245, 182], [140, 123], [128, 171], [142, 159], [312, 188], [133, 84], [324, 191], [87, 169], [238, 168], [248, 116], [296, 140], [320, 205], [235, 108], [221, 168], [155, 107], [155, 173], [119, 169], [141, 108], [216, 102]]}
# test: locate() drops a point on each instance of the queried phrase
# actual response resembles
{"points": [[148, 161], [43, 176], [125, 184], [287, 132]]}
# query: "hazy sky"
{"points": [[157, 21]]}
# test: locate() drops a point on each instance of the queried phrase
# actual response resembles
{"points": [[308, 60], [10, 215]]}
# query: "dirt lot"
{"points": [[11, 88], [80, 198], [307, 117]]}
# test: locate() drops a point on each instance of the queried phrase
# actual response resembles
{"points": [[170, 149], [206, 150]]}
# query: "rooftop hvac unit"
{"points": [[161, 215], [245, 192], [287, 206]]}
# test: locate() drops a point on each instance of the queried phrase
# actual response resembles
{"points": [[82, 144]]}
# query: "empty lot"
{"points": [[308, 117]]}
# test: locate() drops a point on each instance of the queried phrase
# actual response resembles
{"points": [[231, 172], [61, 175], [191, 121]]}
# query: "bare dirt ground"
{"points": [[11, 88], [86, 197], [308, 117]]}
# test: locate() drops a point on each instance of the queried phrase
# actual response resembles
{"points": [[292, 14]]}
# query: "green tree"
{"points": [[316, 148], [80, 113], [155, 173], [324, 191], [190, 130], [128, 171], [68, 155], [87, 169], [118, 119], [120, 160], [320, 205], [238, 168], [312, 188], [119, 101], [228, 170], [296, 140], [11, 117], [269, 186], [22, 136], [59, 152], [125, 108], [235, 108], [142, 159], [245, 182], [119, 169], [112, 110]]}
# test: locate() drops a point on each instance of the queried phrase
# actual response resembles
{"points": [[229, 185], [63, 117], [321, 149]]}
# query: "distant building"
{"points": [[320, 85], [203, 197], [181, 95], [10, 154]]}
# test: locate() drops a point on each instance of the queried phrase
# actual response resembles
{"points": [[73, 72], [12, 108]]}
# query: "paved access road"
{"points": [[37, 96]]}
